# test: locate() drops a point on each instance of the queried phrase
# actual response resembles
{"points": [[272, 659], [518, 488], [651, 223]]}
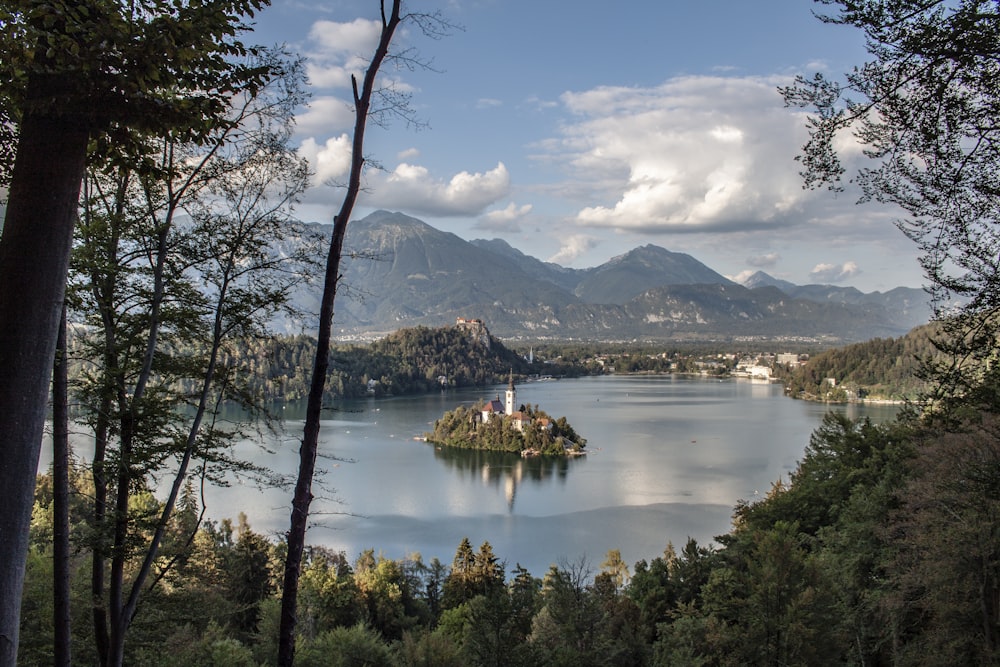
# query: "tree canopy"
{"points": [[154, 66], [94, 76], [923, 109]]}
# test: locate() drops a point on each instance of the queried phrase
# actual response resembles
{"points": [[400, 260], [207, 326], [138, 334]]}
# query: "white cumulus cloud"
{"points": [[412, 188], [834, 273], [334, 39], [408, 154], [330, 161], [707, 153], [505, 220], [338, 50], [572, 247], [509, 214], [742, 276], [324, 115]]}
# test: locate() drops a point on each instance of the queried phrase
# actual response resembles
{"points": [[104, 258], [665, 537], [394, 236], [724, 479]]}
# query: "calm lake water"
{"points": [[668, 458]]}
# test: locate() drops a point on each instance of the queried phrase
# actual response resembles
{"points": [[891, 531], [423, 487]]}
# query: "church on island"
{"points": [[519, 419], [500, 425]]}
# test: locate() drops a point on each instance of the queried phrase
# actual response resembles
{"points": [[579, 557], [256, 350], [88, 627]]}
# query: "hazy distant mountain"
{"points": [[902, 304], [562, 276], [761, 279], [406, 272], [402, 272], [627, 276]]}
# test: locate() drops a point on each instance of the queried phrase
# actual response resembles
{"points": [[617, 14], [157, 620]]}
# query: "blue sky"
{"points": [[579, 130]]}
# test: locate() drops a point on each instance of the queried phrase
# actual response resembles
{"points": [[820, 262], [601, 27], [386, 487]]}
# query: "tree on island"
{"points": [[529, 430]]}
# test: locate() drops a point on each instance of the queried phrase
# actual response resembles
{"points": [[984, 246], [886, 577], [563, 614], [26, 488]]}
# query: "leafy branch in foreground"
{"points": [[76, 75], [923, 110], [165, 298]]}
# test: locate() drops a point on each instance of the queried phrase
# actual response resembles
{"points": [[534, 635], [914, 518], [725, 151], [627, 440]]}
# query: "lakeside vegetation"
{"points": [[409, 361], [847, 561], [532, 431], [880, 548], [423, 359], [822, 569], [815, 545], [878, 369]]}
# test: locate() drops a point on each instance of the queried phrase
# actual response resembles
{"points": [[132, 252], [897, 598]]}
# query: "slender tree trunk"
{"points": [[34, 255], [102, 287], [118, 608], [124, 607], [60, 501], [303, 496], [99, 612], [117, 621]]}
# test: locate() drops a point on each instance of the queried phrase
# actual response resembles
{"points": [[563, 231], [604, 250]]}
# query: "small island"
{"points": [[496, 425]]}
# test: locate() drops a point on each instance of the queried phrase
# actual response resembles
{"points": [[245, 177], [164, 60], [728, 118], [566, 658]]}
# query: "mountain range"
{"points": [[401, 272]]}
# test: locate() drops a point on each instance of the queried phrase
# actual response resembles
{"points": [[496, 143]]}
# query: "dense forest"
{"points": [[878, 549], [408, 361], [882, 368], [153, 181], [421, 359]]}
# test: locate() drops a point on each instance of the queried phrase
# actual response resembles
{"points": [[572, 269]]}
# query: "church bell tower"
{"points": [[510, 396]]}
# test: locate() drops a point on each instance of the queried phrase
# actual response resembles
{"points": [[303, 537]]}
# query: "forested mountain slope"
{"points": [[408, 361], [885, 368]]}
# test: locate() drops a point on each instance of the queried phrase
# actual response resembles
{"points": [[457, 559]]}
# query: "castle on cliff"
{"points": [[476, 329]]}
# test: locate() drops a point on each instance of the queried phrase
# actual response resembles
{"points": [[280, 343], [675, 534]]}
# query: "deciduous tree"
{"points": [[74, 71], [166, 301], [924, 109], [363, 93]]}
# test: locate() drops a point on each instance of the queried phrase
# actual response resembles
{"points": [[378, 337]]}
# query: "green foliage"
{"points": [[356, 646], [160, 300], [37, 630], [866, 555], [878, 549], [428, 649], [157, 66], [882, 368], [208, 648], [464, 428], [387, 595], [328, 594], [773, 604], [843, 456], [916, 108], [409, 361], [581, 623], [945, 598], [472, 574]]}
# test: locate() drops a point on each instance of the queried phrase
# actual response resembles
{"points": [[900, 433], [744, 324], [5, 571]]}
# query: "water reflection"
{"points": [[505, 471], [668, 458]]}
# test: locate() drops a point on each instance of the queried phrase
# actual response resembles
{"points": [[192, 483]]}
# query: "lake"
{"points": [[668, 458]]}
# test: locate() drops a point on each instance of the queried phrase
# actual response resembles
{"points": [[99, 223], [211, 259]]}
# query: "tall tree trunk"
{"points": [[60, 501], [34, 255], [99, 548], [123, 607], [118, 622], [310, 435]]}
